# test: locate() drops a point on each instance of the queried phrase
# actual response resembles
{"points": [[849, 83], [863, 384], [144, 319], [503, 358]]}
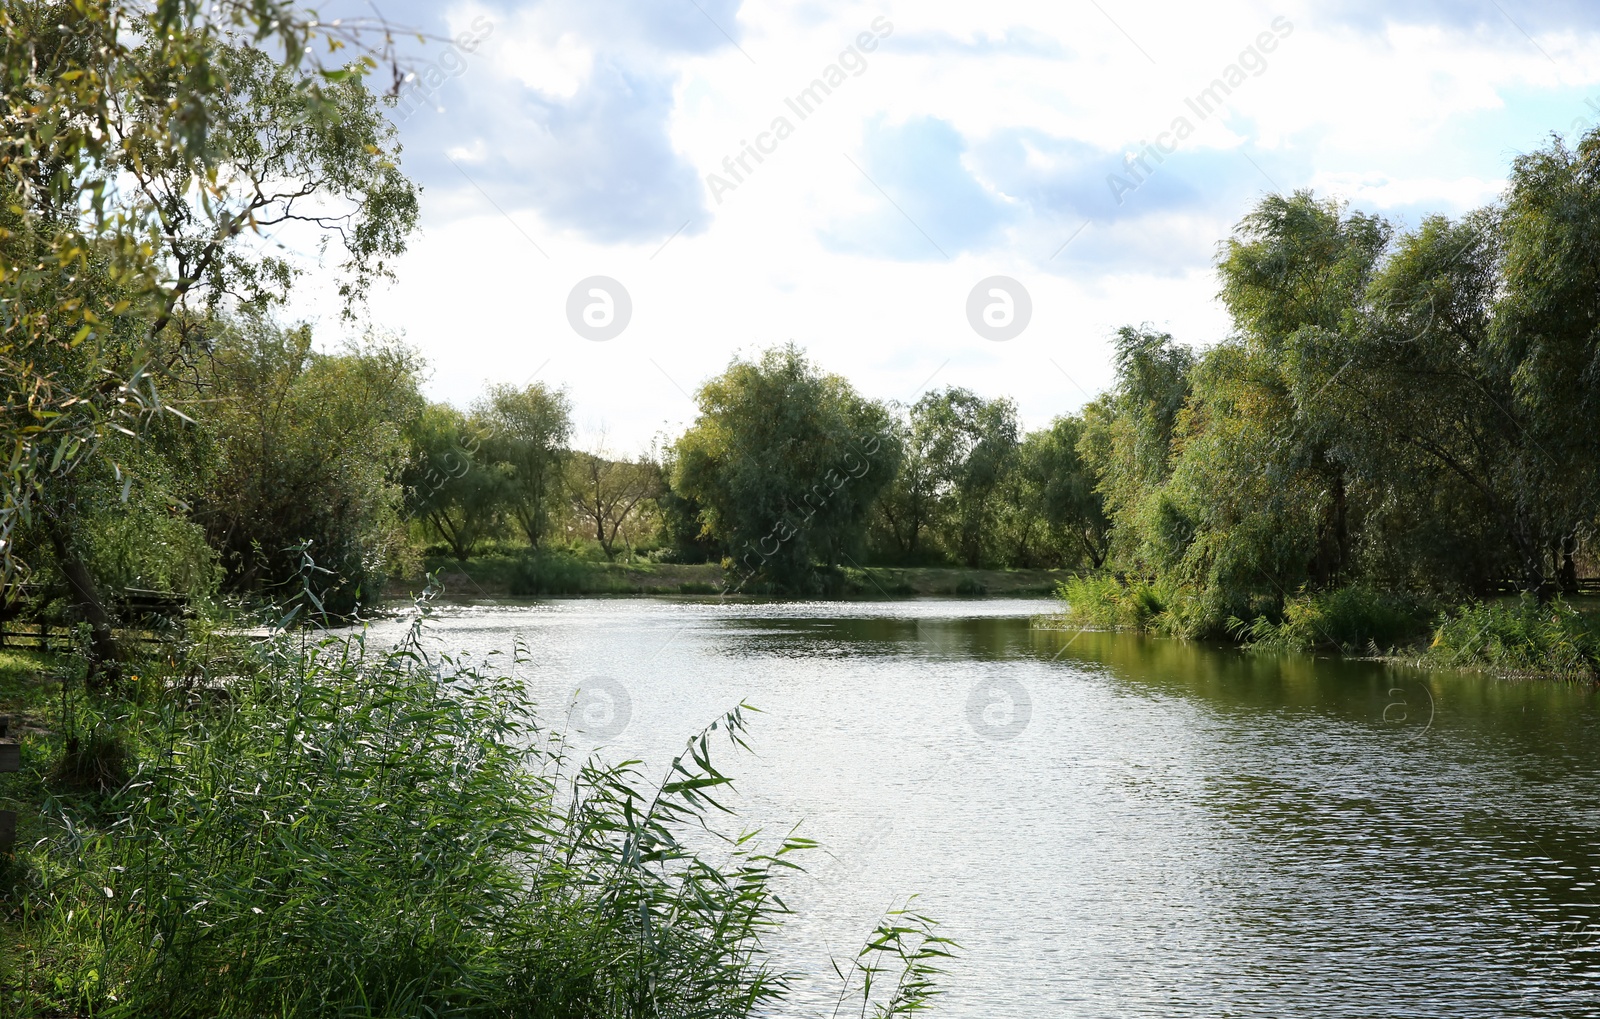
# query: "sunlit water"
{"points": [[1113, 825]]}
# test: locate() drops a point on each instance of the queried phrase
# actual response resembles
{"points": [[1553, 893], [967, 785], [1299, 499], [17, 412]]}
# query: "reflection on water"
{"points": [[1119, 826]]}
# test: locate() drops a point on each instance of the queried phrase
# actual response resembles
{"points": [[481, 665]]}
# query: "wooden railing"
{"points": [[146, 616], [1509, 585]]}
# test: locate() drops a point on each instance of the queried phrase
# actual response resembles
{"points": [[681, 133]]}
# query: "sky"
{"points": [[919, 194]]}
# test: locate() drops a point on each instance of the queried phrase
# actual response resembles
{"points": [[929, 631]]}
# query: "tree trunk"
{"points": [[104, 652], [1567, 575], [1534, 580]]}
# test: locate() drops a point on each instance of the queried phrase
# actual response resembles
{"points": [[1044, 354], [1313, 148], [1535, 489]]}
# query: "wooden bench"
{"points": [[141, 615]]}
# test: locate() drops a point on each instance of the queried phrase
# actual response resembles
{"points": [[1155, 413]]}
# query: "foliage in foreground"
{"points": [[1520, 636], [340, 830]]}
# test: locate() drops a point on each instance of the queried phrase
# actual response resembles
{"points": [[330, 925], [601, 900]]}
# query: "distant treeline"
{"points": [[1412, 410], [787, 475]]}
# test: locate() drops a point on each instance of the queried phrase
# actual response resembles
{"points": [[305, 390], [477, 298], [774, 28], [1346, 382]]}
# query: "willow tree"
{"points": [[784, 462], [525, 434], [144, 145]]}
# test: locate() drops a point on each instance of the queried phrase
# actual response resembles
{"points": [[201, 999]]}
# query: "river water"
{"points": [[1113, 825]]}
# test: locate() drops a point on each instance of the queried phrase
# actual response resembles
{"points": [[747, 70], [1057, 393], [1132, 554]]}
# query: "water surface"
{"points": [[1115, 825]]}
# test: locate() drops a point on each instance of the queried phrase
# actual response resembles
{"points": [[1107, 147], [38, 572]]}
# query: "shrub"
{"points": [[547, 573], [1349, 619], [1521, 636], [1103, 602]]}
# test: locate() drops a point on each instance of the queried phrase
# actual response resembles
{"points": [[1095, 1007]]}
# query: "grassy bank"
{"points": [[1514, 636], [309, 826], [518, 573]]}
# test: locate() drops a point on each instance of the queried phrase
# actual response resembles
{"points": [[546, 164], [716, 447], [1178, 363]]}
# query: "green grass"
{"points": [[315, 827], [556, 572], [1102, 602], [26, 683], [1520, 636]]}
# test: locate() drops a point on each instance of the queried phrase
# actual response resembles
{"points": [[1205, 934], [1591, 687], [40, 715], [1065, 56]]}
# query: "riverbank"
{"points": [[513, 575], [1515, 636]]}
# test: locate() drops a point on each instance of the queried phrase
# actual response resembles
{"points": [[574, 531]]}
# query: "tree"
{"points": [[908, 509], [449, 483], [142, 142], [1546, 337], [306, 452], [969, 444], [784, 462], [607, 494], [525, 437], [1128, 437], [1068, 502], [1396, 411]]}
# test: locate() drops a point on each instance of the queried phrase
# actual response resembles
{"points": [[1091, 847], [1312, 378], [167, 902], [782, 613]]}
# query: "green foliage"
{"points": [[1128, 437], [525, 433], [1064, 487], [1103, 602], [304, 450], [448, 483], [905, 949], [1391, 413], [1519, 636], [784, 463], [970, 490], [969, 446], [346, 830], [154, 546], [612, 496], [1351, 619], [144, 143], [548, 573]]}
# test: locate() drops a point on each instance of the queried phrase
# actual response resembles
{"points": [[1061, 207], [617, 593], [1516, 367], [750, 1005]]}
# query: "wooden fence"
{"points": [[146, 616], [1586, 586]]}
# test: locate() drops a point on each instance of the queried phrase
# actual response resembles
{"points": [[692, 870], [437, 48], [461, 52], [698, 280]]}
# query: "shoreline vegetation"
{"points": [[310, 825], [1512, 636], [520, 573], [306, 825]]}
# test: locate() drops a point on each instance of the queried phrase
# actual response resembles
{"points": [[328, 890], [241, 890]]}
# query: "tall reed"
{"points": [[319, 827]]}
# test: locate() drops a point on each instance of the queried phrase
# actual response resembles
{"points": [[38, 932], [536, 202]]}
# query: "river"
{"points": [[1114, 825]]}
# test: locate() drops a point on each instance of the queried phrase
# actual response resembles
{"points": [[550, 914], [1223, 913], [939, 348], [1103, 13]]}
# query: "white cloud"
{"points": [[594, 124]]}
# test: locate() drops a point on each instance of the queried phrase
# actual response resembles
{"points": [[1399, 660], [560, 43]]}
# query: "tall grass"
{"points": [[1352, 619], [555, 573], [1103, 602], [343, 830], [1520, 637]]}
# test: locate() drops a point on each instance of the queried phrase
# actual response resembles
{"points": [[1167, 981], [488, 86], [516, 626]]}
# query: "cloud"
{"points": [[928, 200], [1467, 15], [1016, 41], [567, 111], [599, 162]]}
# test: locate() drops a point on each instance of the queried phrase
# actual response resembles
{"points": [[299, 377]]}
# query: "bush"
{"points": [[364, 833], [1521, 636], [1349, 619], [1103, 602]]}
